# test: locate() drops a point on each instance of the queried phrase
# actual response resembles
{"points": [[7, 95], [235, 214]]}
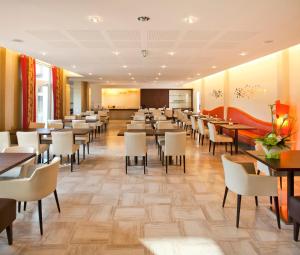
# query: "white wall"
{"points": [[121, 98], [77, 97]]}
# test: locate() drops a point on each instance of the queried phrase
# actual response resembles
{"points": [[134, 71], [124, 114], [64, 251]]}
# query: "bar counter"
{"points": [[121, 113]]}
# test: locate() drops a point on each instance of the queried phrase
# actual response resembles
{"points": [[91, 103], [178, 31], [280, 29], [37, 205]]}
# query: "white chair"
{"points": [[62, 144], [139, 117], [74, 122], [35, 125], [94, 124], [82, 139], [135, 146], [70, 117], [194, 127], [215, 138], [159, 117], [174, 145], [55, 124], [136, 126], [22, 170], [161, 139], [241, 179], [4, 140], [90, 112], [137, 122], [32, 139], [39, 185], [202, 130], [169, 113]]}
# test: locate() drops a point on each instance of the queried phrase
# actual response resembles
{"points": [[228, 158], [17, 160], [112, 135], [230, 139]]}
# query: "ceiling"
{"points": [[224, 29]]}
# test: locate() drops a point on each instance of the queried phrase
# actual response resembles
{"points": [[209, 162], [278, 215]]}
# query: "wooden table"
{"points": [[288, 163], [148, 131], [236, 128], [11, 160], [78, 131]]}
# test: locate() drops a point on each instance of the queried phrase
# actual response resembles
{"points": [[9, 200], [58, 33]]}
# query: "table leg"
{"points": [[236, 140], [290, 191]]}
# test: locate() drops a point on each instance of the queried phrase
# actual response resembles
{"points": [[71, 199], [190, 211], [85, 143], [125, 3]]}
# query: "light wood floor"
{"points": [[105, 211]]}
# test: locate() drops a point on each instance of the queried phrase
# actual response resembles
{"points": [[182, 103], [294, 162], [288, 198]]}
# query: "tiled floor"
{"points": [[105, 211]]}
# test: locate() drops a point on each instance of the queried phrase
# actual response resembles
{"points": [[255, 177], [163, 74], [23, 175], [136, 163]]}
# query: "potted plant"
{"points": [[275, 142]]}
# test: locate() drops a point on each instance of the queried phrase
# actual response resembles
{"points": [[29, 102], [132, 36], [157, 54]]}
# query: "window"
{"points": [[43, 92]]}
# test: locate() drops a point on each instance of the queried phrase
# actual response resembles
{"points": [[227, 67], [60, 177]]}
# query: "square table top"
{"points": [[237, 126], [289, 160], [11, 160], [41, 131], [161, 132]]}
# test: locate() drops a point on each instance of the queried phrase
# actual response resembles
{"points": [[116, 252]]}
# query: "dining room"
{"points": [[167, 128]]}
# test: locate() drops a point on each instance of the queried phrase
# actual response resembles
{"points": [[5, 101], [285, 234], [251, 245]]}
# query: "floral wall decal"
{"points": [[248, 91], [217, 93]]}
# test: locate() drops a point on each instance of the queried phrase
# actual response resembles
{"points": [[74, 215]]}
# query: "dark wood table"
{"points": [[236, 128], [11, 160], [288, 163]]}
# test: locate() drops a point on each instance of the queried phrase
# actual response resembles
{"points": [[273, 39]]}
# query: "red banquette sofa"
{"points": [[239, 116]]}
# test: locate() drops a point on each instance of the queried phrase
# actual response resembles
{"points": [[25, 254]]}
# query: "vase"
{"points": [[274, 152]]}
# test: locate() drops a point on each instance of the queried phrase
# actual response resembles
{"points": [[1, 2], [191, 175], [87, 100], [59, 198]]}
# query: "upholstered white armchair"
{"points": [[241, 179], [34, 188], [83, 140], [203, 131], [215, 138], [56, 124], [174, 145], [4, 140], [63, 145], [194, 126], [135, 146]]}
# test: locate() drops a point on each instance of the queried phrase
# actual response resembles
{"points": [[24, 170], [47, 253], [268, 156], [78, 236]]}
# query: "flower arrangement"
{"points": [[276, 141]]}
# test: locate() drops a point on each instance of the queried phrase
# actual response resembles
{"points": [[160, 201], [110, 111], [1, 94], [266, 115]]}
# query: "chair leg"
{"points": [[277, 211], [202, 140], [78, 157], [271, 200], [226, 147], [214, 148], [48, 157], [40, 216], [280, 180], [231, 148], [25, 204], [184, 163], [88, 148], [9, 233], [256, 200], [180, 160], [146, 159], [56, 199], [144, 163], [126, 163], [83, 151], [72, 162], [209, 146], [199, 137], [166, 159], [225, 196], [19, 207], [238, 209], [296, 231]]}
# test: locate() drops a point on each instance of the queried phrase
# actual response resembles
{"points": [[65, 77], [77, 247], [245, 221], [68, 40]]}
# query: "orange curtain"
{"points": [[57, 84], [28, 80]]}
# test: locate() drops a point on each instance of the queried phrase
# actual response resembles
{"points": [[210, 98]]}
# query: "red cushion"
{"points": [[219, 111]]}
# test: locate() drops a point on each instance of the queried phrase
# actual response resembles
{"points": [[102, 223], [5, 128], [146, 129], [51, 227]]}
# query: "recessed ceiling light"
{"points": [[132, 78], [159, 74], [171, 53], [214, 67], [44, 53], [17, 40], [117, 53], [190, 19], [198, 74], [143, 18], [268, 41], [163, 66], [90, 73], [124, 66], [100, 78], [95, 19], [107, 81], [156, 78], [73, 66], [129, 74], [188, 78], [243, 53]]}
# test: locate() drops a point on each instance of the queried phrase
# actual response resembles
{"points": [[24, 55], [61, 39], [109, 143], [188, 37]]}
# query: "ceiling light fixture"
{"points": [[159, 74], [17, 40], [124, 66], [243, 53], [190, 19], [268, 41], [143, 18], [171, 53], [100, 78], [132, 78], [90, 73], [144, 53], [73, 66], [117, 53], [214, 67], [156, 78], [95, 19], [44, 53], [129, 74], [188, 78], [198, 74], [163, 66]]}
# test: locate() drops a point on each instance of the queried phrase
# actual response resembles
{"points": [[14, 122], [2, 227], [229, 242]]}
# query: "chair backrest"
{"points": [[236, 176], [135, 144], [36, 125], [139, 117], [201, 127], [193, 122], [75, 122], [91, 117], [136, 126], [28, 139], [81, 125], [212, 131], [55, 124], [70, 117], [43, 181], [169, 113], [175, 143], [165, 125], [137, 122], [102, 113], [62, 143], [160, 117], [90, 112], [4, 140]]}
